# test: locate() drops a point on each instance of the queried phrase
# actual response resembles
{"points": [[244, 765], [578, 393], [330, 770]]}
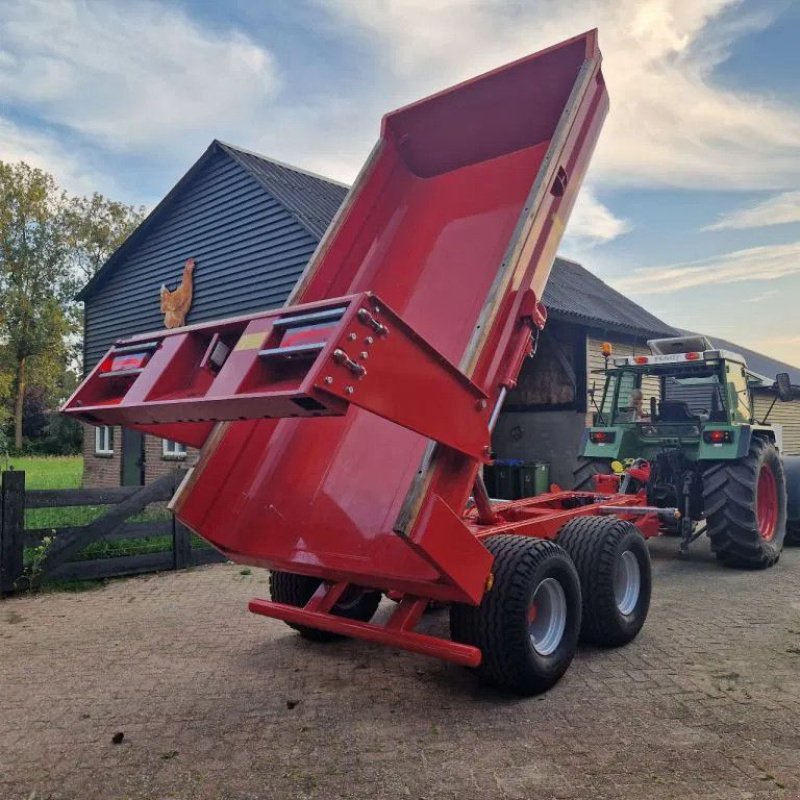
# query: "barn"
{"points": [[251, 224]]}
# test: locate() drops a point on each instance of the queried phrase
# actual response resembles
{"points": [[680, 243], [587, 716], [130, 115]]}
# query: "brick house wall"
{"points": [[101, 470]]}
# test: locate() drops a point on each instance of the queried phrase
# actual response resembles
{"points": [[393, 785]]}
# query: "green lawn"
{"points": [[48, 472]]}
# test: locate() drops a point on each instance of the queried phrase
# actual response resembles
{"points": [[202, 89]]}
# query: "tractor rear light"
{"points": [[602, 437], [641, 359], [693, 356], [717, 437]]}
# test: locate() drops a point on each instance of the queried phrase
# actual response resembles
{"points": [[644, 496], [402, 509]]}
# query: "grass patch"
{"points": [[48, 472]]}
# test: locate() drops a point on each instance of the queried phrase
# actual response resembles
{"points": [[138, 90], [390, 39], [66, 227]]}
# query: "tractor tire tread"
{"points": [[729, 504]]}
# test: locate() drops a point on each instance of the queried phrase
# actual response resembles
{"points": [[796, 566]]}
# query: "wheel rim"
{"points": [[547, 616], [767, 503], [627, 583]]}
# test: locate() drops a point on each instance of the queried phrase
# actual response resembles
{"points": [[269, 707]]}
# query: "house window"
{"points": [[170, 449], [104, 440]]}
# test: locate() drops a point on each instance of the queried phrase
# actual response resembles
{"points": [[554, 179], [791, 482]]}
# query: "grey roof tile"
{"points": [[312, 199]]}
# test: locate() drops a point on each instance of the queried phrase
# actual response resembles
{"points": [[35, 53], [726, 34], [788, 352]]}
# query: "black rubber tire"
{"points": [[585, 470], [596, 545], [296, 590], [729, 503], [499, 626], [792, 533]]}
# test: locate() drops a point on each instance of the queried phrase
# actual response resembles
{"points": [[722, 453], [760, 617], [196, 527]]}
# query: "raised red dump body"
{"points": [[349, 426]]}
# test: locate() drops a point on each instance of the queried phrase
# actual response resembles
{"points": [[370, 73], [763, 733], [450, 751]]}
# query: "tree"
{"points": [[50, 245]]}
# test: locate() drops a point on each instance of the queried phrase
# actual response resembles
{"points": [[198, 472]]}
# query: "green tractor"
{"points": [[683, 419]]}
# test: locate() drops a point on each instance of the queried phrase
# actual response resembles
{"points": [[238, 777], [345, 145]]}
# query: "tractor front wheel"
{"points": [[296, 590], [614, 567], [745, 507], [528, 622]]}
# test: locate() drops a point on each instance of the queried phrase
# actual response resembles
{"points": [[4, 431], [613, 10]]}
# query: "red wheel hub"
{"points": [[767, 503]]}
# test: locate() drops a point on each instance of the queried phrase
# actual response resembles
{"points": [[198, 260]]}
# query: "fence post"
{"points": [[12, 528], [181, 536], [181, 544]]}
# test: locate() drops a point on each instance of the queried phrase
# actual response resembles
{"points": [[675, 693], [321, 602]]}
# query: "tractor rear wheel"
{"points": [[528, 622], [584, 473], [614, 567], [296, 590], [745, 507]]}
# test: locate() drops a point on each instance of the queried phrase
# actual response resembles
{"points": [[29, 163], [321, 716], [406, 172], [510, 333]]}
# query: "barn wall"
{"points": [[248, 248], [787, 415]]}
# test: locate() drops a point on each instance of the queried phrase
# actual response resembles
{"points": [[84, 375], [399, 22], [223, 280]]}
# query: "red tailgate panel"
{"points": [[457, 213]]}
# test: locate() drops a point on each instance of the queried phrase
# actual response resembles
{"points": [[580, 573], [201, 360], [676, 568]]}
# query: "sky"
{"points": [[692, 202]]}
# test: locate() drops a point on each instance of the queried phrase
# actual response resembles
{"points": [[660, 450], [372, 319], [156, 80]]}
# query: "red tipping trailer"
{"points": [[343, 435]]}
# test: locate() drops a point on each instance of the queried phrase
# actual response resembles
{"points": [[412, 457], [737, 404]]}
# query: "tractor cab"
{"points": [[682, 420], [686, 393]]}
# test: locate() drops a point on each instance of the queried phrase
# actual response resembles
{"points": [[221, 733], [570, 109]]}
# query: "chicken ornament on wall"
{"points": [[175, 304]]}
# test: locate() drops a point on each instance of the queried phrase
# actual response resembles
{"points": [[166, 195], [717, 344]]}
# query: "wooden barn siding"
{"points": [[249, 252], [785, 414]]}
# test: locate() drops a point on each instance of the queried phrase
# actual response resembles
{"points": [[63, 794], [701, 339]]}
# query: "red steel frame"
{"points": [[401, 339]]}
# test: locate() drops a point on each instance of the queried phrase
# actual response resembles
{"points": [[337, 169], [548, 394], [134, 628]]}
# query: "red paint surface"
{"points": [[432, 227]]}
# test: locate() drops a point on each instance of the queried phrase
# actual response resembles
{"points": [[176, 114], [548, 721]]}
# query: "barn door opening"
{"points": [[132, 458]]}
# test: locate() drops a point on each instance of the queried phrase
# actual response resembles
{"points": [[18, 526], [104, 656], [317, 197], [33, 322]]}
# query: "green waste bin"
{"points": [[513, 478]]}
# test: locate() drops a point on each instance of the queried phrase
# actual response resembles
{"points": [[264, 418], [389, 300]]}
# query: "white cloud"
{"points": [[143, 78], [780, 209], [670, 123], [45, 152], [755, 264], [762, 297], [592, 223], [131, 76]]}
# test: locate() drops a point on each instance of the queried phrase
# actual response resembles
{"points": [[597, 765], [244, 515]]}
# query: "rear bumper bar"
{"points": [[421, 643]]}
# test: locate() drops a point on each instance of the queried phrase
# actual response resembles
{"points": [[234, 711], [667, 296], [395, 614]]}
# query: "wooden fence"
{"points": [[58, 560]]}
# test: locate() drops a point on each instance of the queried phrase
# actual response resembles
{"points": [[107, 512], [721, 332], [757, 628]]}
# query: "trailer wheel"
{"points": [[614, 567], [585, 471], [296, 590], [745, 507], [528, 622]]}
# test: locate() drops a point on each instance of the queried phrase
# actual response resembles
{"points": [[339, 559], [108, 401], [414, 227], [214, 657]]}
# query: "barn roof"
{"points": [[576, 294], [311, 199]]}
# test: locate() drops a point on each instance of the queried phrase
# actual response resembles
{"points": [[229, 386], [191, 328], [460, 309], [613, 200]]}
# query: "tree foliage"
{"points": [[50, 245]]}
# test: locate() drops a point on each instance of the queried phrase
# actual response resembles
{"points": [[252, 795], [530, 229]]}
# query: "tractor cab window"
{"points": [[616, 405], [703, 397], [738, 392]]}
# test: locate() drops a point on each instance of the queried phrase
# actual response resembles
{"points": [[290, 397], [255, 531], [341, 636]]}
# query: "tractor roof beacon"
{"points": [[685, 417]]}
